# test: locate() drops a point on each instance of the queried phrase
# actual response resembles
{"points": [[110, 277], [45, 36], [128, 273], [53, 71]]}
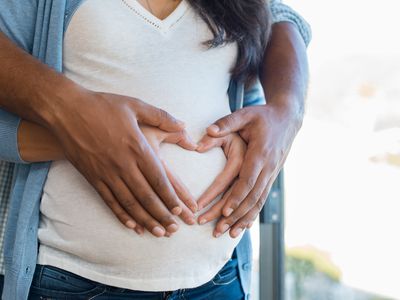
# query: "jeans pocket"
{"points": [[54, 279], [228, 274]]}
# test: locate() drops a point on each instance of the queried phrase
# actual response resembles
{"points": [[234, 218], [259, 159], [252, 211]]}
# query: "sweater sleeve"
{"points": [[17, 22], [283, 13], [9, 137]]}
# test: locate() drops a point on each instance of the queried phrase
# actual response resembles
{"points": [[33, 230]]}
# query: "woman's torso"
{"points": [[117, 46]]}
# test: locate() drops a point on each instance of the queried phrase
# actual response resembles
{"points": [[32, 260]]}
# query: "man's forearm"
{"points": [[284, 72], [29, 88]]}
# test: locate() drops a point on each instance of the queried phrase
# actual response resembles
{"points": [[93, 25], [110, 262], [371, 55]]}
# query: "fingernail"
{"points": [[202, 221], [214, 128], [217, 234], [237, 232], [228, 212], [250, 224], [158, 231], [194, 208], [172, 228], [191, 221], [225, 227], [176, 210], [130, 224]]}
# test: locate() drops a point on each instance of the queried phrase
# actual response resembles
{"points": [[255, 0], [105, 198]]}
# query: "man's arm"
{"points": [[268, 129], [281, 12], [99, 134]]}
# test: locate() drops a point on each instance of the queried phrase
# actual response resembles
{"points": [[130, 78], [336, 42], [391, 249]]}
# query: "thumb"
{"points": [[208, 142], [228, 124], [153, 116], [182, 139]]}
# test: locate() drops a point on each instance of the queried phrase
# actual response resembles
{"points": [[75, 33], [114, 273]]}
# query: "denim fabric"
{"points": [[56, 284], [1, 283]]}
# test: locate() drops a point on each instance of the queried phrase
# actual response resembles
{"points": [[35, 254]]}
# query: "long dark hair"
{"points": [[247, 22]]}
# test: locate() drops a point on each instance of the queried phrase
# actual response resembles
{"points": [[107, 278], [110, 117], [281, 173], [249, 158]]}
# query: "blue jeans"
{"points": [[51, 283]]}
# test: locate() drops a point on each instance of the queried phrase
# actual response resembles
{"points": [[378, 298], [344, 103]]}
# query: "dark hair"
{"points": [[247, 22]]}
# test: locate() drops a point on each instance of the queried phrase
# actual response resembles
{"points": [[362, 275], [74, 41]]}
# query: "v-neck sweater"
{"points": [[161, 62]]}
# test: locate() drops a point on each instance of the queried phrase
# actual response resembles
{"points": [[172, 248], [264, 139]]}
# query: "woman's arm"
{"points": [[38, 144]]}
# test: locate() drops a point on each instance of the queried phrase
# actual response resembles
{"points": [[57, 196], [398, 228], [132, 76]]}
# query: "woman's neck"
{"points": [[160, 8]]}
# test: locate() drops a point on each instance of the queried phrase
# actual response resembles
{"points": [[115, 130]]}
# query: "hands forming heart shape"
{"points": [[234, 149]]}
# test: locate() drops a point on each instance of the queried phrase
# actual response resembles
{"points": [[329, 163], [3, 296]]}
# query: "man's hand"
{"points": [[100, 135], [269, 132]]}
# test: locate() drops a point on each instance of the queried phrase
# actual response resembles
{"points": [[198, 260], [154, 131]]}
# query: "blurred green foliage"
{"points": [[305, 261]]}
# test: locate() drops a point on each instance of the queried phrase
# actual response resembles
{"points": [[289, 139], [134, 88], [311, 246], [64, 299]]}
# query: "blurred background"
{"points": [[342, 178]]}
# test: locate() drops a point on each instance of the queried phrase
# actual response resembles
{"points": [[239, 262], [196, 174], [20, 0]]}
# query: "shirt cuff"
{"points": [[9, 124]]}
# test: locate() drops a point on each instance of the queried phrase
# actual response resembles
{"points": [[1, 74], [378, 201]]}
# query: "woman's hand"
{"points": [[155, 137], [234, 148], [269, 131]]}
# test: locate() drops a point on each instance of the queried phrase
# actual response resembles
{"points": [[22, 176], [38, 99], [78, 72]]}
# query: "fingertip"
{"points": [[194, 208], [130, 224], [194, 147], [191, 221], [200, 205], [217, 234], [200, 147], [158, 231], [236, 232], [172, 228], [213, 129], [224, 227], [227, 211], [177, 210], [202, 221]]}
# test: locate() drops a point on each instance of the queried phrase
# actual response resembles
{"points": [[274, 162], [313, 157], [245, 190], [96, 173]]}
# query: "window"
{"points": [[342, 178]]}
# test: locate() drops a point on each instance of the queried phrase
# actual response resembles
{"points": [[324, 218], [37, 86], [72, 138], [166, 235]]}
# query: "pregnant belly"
{"points": [[76, 221]]}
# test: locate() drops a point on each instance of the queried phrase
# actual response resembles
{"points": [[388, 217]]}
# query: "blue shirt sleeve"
{"points": [[17, 22], [9, 137], [283, 13]]}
